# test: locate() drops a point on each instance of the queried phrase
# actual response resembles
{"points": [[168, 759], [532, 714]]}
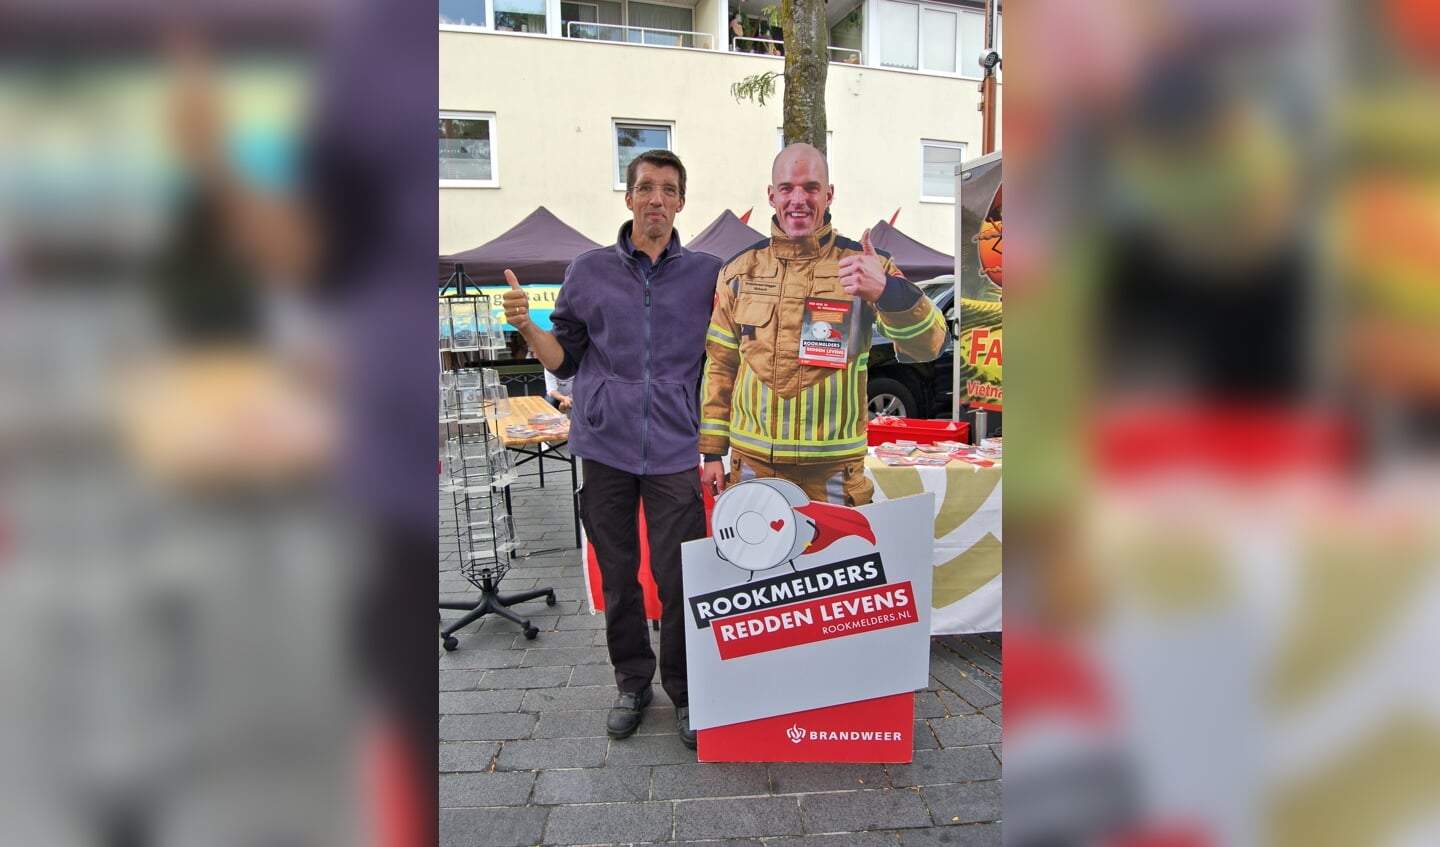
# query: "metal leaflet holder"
{"points": [[464, 328], [475, 464]]}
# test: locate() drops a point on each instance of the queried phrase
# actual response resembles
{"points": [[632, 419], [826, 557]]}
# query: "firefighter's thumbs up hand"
{"points": [[517, 303], [862, 274]]}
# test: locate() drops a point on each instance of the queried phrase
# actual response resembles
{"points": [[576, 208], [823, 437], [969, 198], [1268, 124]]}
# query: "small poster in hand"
{"points": [[825, 333]]}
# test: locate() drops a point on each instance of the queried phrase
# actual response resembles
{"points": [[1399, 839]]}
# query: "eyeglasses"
{"points": [[645, 189]]}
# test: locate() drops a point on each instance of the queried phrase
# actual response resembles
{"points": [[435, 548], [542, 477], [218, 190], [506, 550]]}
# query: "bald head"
{"points": [[800, 190], [800, 152]]}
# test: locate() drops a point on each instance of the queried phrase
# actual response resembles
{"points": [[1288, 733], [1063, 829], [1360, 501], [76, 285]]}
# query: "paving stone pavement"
{"points": [[524, 759]]}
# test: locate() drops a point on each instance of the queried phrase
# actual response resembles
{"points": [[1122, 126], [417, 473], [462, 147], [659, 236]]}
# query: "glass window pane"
{"points": [[939, 171], [462, 12], [579, 14], [586, 12], [849, 34], [633, 140], [938, 35], [520, 15], [999, 37], [972, 43], [465, 149], [651, 16], [899, 28]]}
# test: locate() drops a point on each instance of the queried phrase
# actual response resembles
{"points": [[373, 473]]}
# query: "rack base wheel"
{"points": [[532, 632], [550, 599], [451, 642]]}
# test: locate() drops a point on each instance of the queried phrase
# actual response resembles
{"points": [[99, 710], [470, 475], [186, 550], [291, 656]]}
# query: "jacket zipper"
{"points": [[645, 403], [645, 406], [775, 360]]}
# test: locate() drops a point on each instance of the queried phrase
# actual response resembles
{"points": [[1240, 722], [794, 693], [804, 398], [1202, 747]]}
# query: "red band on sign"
{"points": [[878, 730], [861, 611]]}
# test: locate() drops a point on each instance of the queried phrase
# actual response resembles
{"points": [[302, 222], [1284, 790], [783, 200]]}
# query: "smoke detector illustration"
{"points": [[823, 331], [757, 527]]}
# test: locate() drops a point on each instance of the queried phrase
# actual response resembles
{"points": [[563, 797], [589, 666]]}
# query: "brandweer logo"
{"points": [[797, 734]]}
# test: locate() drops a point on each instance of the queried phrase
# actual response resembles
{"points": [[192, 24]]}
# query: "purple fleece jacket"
{"points": [[635, 344]]}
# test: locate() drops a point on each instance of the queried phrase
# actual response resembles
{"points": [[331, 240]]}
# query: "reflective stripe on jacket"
{"points": [[758, 397]]}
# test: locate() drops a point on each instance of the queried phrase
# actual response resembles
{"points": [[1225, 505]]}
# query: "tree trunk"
{"points": [[807, 42]]}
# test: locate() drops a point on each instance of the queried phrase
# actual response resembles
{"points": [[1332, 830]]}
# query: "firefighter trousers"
{"points": [[840, 483]]}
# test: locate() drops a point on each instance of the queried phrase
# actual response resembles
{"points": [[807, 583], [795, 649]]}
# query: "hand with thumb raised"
{"points": [[516, 302], [863, 274]]}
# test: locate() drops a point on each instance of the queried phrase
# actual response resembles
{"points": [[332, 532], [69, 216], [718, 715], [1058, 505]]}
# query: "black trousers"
{"points": [[674, 513]]}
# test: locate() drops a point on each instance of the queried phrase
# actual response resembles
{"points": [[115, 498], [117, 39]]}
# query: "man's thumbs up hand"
{"points": [[862, 274], [517, 303], [866, 245]]}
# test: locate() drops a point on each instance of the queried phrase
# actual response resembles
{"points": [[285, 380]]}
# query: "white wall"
{"points": [[554, 101]]}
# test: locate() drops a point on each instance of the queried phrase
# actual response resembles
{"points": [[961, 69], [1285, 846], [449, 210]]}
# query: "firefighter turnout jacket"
{"points": [[757, 395]]}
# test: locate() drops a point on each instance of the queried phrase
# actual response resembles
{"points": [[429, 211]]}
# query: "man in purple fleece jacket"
{"points": [[630, 326]]}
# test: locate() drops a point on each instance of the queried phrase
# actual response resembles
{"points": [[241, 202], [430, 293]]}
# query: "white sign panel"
{"points": [[794, 605]]}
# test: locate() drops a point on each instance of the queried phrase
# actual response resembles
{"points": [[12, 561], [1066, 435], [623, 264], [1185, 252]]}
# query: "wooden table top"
{"points": [[521, 410]]}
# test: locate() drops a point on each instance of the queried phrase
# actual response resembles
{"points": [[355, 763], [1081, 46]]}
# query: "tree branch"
{"points": [[755, 87]]}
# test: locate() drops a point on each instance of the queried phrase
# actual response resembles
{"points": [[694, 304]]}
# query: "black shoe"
{"points": [[624, 717], [682, 719]]}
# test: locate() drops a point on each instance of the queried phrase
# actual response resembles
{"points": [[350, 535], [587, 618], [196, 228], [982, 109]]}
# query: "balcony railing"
{"points": [[762, 46], [638, 35]]}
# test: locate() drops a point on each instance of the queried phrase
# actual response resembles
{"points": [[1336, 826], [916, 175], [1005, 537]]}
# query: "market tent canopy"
{"points": [[538, 249], [917, 261], [725, 237]]}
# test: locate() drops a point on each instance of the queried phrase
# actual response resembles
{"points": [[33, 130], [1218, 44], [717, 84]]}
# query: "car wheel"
{"points": [[890, 397]]}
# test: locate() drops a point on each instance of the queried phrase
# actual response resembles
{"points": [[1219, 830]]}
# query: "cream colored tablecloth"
{"points": [[967, 539]]}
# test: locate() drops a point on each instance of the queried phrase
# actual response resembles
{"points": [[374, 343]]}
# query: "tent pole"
{"points": [[988, 94], [955, 301]]}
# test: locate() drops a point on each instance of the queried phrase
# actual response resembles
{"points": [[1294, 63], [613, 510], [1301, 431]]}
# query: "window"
{"points": [[1000, 48], [462, 12], [923, 36], [585, 14], [937, 169], [937, 39], [633, 138], [847, 36], [594, 19], [972, 43], [651, 16], [467, 150], [520, 15], [899, 23]]}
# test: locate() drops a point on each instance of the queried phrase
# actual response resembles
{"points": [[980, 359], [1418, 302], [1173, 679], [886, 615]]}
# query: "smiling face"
{"points": [[800, 190], [654, 201]]}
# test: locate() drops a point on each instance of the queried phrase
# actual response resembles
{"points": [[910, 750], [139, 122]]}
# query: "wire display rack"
{"points": [[475, 466]]}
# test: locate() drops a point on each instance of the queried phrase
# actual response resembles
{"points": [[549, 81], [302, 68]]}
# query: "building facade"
{"points": [[543, 102]]}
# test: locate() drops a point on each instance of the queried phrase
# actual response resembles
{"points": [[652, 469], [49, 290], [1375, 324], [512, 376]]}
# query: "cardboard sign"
{"points": [[773, 637], [879, 730]]}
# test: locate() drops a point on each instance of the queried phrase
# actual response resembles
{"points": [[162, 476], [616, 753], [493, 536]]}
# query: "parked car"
{"points": [[915, 389]]}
